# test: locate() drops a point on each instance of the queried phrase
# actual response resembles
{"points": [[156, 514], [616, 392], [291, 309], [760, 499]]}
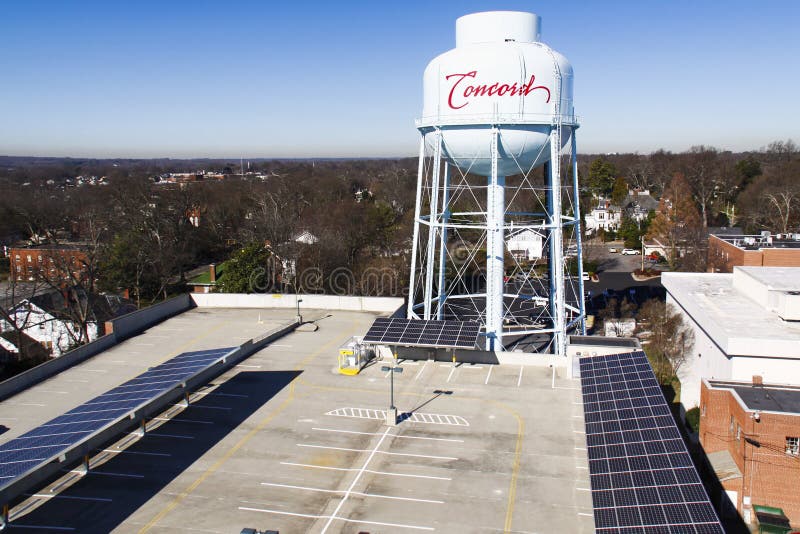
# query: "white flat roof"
{"points": [[739, 325], [775, 278]]}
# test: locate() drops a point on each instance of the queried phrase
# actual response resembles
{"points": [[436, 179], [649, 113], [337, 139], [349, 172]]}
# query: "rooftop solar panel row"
{"points": [[642, 476], [419, 333], [51, 439]]}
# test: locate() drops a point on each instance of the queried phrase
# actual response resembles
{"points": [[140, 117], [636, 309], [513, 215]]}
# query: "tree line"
{"points": [[146, 236]]}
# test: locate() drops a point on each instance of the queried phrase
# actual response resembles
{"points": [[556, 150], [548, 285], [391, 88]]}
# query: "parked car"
{"points": [[585, 276], [630, 252], [613, 250]]}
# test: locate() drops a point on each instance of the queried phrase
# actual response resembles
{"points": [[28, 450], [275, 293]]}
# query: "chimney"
{"points": [[758, 380], [212, 273]]}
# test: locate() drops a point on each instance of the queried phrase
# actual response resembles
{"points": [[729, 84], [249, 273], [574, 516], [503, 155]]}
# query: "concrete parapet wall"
{"points": [[41, 372], [118, 330], [317, 302], [133, 323]]}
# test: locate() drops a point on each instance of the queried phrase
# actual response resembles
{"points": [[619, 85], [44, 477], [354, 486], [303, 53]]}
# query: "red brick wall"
{"points": [[723, 256], [781, 257], [770, 476], [27, 263]]}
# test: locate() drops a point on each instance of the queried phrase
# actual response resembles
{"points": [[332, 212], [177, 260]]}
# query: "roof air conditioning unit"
{"points": [[788, 307]]}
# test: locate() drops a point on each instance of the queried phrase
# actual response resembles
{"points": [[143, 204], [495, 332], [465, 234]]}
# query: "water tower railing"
{"points": [[543, 119]]}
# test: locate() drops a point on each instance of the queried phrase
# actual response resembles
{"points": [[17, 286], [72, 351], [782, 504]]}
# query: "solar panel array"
{"points": [[55, 437], [642, 477], [419, 333]]}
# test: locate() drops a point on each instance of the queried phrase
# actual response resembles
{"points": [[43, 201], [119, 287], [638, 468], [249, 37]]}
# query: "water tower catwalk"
{"points": [[496, 234]]}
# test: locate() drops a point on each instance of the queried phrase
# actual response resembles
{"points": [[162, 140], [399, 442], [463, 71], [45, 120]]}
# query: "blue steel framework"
{"points": [[435, 294], [642, 476]]}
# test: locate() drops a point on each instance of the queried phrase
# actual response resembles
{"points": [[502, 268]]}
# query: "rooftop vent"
{"points": [[788, 307]]}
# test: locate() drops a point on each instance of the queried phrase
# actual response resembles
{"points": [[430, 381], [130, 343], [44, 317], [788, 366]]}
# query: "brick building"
{"points": [[728, 251], [52, 262], [750, 432]]}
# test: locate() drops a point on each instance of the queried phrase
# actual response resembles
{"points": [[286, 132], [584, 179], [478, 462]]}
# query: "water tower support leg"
{"points": [[415, 239], [495, 248], [576, 192], [556, 245], [443, 242], [432, 225]]}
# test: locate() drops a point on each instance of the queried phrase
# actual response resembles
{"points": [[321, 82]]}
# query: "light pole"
{"points": [[297, 303], [641, 238], [391, 415]]}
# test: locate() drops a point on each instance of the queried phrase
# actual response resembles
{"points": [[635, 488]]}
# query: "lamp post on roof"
{"points": [[391, 415], [297, 303]]}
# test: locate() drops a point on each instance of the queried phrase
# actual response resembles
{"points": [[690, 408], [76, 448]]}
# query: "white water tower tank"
{"points": [[498, 74]]}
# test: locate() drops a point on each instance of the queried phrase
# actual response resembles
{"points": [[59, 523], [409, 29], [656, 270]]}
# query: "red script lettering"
{"points": [[461, 94]]}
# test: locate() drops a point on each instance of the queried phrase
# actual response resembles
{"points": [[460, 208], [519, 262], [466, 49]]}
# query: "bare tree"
{"points": [[667, 340]]}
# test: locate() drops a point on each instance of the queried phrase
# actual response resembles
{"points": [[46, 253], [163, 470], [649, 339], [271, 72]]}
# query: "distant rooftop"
{"points": [[758, 242], [765, 398], [76, 245], [734, 310]]}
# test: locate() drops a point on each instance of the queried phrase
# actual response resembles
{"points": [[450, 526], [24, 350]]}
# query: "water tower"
{"points": [[496, 233]]}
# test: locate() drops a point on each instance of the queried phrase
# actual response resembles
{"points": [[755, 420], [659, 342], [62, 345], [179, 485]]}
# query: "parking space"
{"points": [[284, 442]]}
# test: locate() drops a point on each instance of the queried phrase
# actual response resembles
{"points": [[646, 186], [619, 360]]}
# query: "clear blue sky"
{"points": [[338, 79]]}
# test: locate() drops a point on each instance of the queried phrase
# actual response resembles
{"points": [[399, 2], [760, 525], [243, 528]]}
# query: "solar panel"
{"points": [[46, 442], [641, 473], [419, 333]]}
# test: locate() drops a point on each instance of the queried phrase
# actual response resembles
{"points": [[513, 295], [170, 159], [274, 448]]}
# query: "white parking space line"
{"points": [[28, 404], [379, 433], [385, 473], [374, 495], [174, 436], [519, 380], [329, 517], [355, 480], [107, 473], [181, 420], [489, 374], [115, 451], [281, 512], [453, 370], [213, 392], [378, 452], [72, 497], [207, 407], [421, 370], [41, 527], [280, 346], [249, 366]]}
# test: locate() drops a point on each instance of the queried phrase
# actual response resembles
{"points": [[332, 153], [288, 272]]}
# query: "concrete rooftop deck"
{"points": [[282, 441]]}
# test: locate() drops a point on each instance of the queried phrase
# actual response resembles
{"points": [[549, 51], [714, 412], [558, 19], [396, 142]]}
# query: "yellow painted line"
{"points": [[512, 486], [263, 423]]}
